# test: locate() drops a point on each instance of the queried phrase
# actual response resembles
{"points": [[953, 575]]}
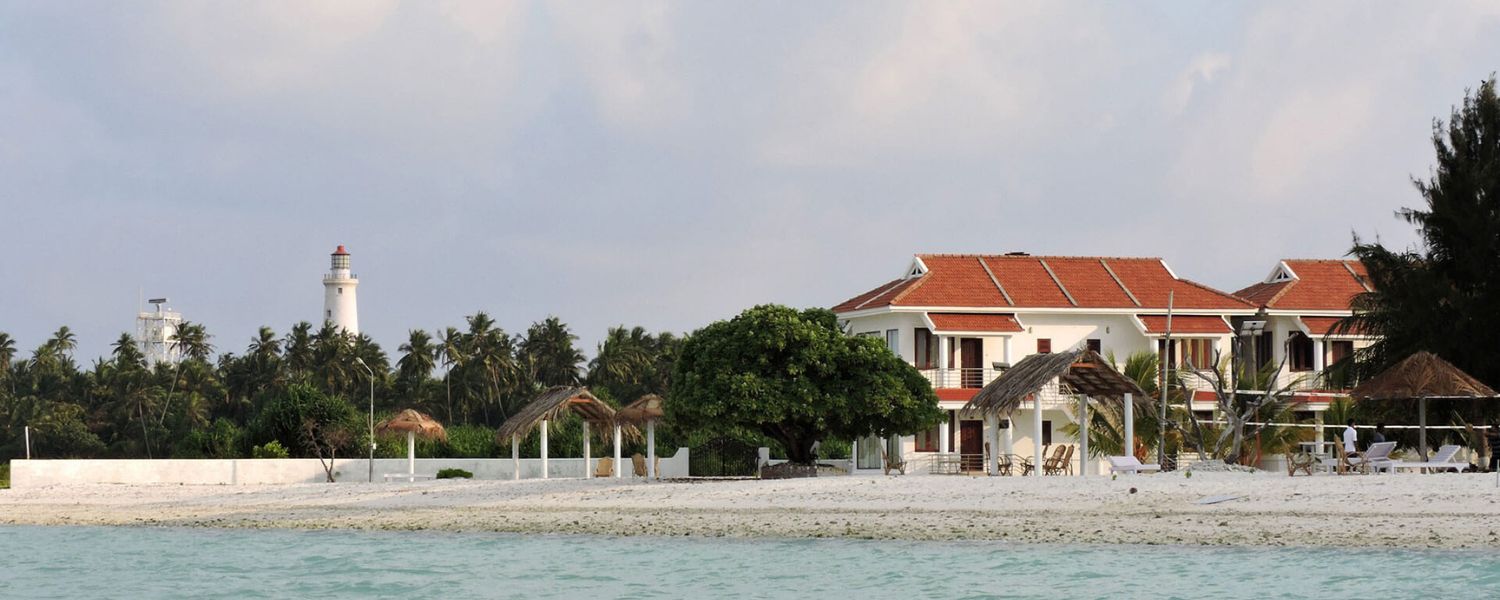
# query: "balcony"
{"points": [[960, 378]]}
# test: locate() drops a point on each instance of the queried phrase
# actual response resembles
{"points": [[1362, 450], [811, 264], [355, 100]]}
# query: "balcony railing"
{"points": [[960, 378]]}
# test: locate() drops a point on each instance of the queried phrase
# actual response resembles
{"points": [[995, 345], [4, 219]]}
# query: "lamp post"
{"points": [[361, 362]]}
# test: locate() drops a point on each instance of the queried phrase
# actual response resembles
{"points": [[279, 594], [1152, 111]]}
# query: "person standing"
{"points": [[1378, 436], [1492, 439], [1351, 439]]}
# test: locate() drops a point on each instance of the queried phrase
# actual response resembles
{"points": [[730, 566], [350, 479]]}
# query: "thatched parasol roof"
{"points": [[551, 404], [1422, 375], [646, 408], [1083, 370], [415, 422]]}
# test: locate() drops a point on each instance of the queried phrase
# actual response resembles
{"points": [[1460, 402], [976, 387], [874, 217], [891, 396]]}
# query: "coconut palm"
{"points": [[548, 354]]}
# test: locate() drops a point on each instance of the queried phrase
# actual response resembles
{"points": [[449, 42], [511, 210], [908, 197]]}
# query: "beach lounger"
{"points": [[1442, 461], [1130, 464], [1378, 456], [606, 468]]}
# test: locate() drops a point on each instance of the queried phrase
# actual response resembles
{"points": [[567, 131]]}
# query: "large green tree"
{"points": [[1444, 295], [795, 377]]}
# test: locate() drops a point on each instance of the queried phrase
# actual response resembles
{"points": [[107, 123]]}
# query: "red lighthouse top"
{"points": [[341, 250]]}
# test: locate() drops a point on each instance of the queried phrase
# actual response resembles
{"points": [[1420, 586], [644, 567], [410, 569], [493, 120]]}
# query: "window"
{"points": [[928, 441], [341, 291], [893, 340], [1263, 353], [1046, 433], [1340, 350], [1096, 346], [1198, 353], [330, 314], [1299, 349], [1163, 351], [926, 348], [1044, 346]]}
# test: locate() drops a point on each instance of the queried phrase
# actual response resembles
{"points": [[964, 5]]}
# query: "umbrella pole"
{"points": [[1422, 428], [588, 452], [515, 457], [617, 451], [544, 448], [411, 453], [651, 449]]}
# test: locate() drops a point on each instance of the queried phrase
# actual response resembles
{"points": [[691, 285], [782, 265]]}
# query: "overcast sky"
{"points": [[668, 164]]}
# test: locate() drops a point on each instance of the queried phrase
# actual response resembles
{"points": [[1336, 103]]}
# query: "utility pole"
{"points": [[1166, 353]]}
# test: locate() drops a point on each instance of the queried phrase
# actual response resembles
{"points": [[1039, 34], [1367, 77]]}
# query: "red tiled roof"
{"points": [[963, 281], [958, 394], [975, 322], [1185, 324], [1319, 285], [1323, 326]]}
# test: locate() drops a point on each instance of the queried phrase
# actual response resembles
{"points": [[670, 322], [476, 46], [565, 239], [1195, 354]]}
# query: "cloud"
{"points": [[1201, 70]]}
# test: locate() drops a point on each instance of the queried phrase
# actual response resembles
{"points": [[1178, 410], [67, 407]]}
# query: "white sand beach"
{"points": [[1404, 510]]}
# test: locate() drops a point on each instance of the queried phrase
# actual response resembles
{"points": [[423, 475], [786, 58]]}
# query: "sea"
{"points": [[141, 562]]}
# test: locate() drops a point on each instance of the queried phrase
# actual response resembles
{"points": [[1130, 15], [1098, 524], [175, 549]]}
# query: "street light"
{"points": [[361, 363]]}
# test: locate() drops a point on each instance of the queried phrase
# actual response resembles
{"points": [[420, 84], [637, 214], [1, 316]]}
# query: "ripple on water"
{"points": [[68, 562]]}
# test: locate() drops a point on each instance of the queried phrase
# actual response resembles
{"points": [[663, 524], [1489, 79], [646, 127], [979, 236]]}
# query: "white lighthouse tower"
{"points": [[339, 306]]}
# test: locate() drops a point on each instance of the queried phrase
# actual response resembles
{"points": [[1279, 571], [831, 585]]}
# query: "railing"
{"points": [[328, 276], [960, 378]]}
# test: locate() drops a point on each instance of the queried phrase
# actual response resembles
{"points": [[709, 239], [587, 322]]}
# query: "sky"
{"points": [[668, 164]]}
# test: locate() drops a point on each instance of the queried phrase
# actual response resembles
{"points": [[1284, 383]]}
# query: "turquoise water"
{"points": [[97, 562]]}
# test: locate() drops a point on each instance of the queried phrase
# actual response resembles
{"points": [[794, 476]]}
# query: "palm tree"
{"points": [[298, 347], [7, 351], [549, 354], [64, 341], [451, 351]]}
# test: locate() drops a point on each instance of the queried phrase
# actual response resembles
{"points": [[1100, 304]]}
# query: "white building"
{"points": [[156, 333], [962, 319], [339, 285]]}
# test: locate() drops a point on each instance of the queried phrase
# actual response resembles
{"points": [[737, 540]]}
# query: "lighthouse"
{"points": [[339, 306]]}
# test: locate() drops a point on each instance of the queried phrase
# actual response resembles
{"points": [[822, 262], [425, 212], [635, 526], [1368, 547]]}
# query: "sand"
{"points": [[1401, 510]]}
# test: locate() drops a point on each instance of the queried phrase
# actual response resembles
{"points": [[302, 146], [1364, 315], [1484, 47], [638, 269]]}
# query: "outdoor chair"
{"points": [[1027, 466], [1300, 461], [899, 466], [1005, 464], [1442, 461], [606, 468], [1053, 465], [1341, 463], [1068, 461], [638, 464], [1130, 464], [1378, 456]]}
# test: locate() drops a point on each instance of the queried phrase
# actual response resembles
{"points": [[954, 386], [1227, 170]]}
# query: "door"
{"points": [[971, 445], [973, 357]]}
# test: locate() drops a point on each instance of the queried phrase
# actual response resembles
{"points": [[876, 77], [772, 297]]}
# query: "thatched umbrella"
{"points": [[648, 410], [1422, 376], [414, 424], [550, 405]]}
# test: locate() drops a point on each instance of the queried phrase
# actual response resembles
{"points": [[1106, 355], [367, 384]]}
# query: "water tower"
{"points": [[156, 333], [339, 306]]}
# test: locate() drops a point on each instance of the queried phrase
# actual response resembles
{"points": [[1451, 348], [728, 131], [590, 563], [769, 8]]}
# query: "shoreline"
{"points": [[1374, 511]]}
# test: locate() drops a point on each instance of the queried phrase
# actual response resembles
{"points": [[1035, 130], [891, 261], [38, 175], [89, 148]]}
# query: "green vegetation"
{"points": [[796, 378], [454, 474], [261, 401], [4, 476]]}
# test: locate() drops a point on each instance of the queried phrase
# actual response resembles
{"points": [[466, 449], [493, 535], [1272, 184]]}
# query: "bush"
{"points": [[454, 474], [5, 476], [472, 441], [271, 449], [282, 418]]}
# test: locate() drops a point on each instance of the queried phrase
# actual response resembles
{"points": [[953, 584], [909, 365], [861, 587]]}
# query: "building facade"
{"points": [[340, 304], [963, 319]]}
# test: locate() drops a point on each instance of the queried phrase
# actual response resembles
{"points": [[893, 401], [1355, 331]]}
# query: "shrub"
{"points": [[271, 449], [472, 441], [454, 474], [4, 476], [284, 416]]}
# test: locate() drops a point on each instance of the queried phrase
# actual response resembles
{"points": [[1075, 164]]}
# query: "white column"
{"points": [[942, 362], [411, 453], [651, 449], [1083, 436], [1129, 425], [943, 434], [1318, 419], [1317, 357], [544, 449], [993, 439], [1006, 352], [1036, 434], [1422, 428], [617, 451], [588, 452], [1008, 438], [515, 456]]}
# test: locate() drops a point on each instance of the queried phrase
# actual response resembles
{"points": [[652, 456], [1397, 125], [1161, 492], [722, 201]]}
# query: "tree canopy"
{"points": [[797, 378], [1444, 295]]}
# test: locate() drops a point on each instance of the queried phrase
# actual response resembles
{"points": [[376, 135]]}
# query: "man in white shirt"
{"points": [[1350, 438]]}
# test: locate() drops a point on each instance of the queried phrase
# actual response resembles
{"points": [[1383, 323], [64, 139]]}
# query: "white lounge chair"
{"points": [[1377, 456], [1441, 461], [1130, 464]]}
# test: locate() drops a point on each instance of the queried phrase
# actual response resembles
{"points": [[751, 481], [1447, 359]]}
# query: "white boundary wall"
{"points": [[262, 471]]}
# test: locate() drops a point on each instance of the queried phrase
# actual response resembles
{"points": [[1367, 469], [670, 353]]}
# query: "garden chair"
{"points": [[899, 466], [638, 464], [1053, 465], [606, 468]]}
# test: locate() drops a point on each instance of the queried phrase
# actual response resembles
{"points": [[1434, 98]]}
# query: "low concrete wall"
{"points": [[261, 471]]}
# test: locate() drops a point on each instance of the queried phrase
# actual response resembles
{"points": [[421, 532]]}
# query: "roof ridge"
{"points": [[880, 291], [902, 294], [1035, 256]]}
